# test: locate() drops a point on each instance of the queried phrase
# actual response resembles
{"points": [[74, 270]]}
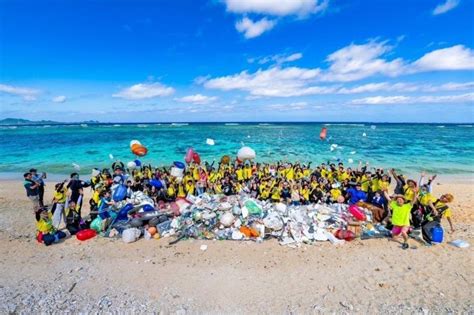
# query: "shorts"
{"points": [[35, 201], [397, 229]]}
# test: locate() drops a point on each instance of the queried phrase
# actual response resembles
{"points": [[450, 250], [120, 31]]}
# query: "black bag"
{"points": [[426, 229]]}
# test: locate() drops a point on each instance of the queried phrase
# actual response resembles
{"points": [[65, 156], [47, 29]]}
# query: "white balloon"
{"points": [[351, 161], [210, 141], [246, 153], [131, 165]]}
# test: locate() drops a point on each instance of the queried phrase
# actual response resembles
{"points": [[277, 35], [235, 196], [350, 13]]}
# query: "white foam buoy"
{"points": [[364, 135], [210, 141]]}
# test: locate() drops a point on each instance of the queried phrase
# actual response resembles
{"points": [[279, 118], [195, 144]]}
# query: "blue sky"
{"points": [[237, 60]]}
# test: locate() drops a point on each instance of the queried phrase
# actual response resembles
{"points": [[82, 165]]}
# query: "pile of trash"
{"points": [[238, 218]]}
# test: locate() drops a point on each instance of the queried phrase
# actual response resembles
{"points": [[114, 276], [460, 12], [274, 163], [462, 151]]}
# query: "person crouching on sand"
{"points": [[401, 210], [47, 233]]}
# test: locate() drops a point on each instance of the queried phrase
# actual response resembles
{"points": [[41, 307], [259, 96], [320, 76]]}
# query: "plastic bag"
{"points": [[131, 235], [253, 207]]}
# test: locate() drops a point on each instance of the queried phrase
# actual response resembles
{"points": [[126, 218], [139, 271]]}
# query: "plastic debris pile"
{"points": [[238, 218]]}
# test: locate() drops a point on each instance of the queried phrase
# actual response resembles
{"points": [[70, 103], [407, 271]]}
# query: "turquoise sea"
{"points": [[444, 149]]}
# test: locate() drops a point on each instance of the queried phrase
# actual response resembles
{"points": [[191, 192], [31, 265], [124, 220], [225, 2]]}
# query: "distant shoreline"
{"points": [[233, 123]]}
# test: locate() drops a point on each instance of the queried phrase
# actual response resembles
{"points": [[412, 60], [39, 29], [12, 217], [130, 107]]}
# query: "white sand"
{"points": [[372, 276]]}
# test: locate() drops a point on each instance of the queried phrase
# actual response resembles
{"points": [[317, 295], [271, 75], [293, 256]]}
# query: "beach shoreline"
{"points": [[231, 277]]}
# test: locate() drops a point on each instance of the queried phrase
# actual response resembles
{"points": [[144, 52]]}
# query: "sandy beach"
{"points": [[106, 275]]}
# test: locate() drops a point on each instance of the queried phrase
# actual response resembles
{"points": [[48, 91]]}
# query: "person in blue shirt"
{"points": [[355, 194], [104, 204]]}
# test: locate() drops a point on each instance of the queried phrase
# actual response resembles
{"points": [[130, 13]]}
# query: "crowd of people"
{"points": [[410, 205]]}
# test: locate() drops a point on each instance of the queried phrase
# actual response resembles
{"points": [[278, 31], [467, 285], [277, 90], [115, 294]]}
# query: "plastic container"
{"points": [[437, 234], [86, 234], [179, 164], [177, 172]]}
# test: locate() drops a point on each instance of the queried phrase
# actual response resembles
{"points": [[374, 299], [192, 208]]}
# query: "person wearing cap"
{"points": [[442, 210], [400, 209], [409, 190]]}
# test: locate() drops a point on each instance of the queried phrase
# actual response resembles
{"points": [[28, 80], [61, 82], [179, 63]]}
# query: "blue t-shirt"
{"points": [[356, 195]]}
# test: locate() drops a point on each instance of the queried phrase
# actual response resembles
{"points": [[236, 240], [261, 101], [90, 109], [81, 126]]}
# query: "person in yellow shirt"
{"points": [[409, 190], [442, 210], [171, 192], [181, 191], [247, 172], [335, 192], [276, 193], [304, 194], [240, 173], [46, 233], [400, 215], [189, 188]]}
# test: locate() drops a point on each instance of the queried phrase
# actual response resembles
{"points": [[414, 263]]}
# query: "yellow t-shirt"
{"points": [[45, 226], [304, 193], [409, 193], [60, 196], [400, 214], [335, 193], [240, 174], [426, 199]]}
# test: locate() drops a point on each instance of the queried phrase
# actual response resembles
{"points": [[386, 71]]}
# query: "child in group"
{"points": [[401, 210], [73, 218], [59, 201], [47, 233]]}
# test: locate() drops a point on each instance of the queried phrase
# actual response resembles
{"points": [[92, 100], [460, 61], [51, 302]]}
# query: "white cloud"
{"points": [[144, 91], [350, 63], [288, 107], [278, 59], [452, 58], [453, 86], [355, 62], [401, 99], [28, 94], [448, 5], [253, 29], [197, 99], [276, 81], [277, 7], [59, 99]]}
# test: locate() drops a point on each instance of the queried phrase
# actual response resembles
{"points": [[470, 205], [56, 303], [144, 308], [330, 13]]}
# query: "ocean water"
{"points": [[444, 149]]}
